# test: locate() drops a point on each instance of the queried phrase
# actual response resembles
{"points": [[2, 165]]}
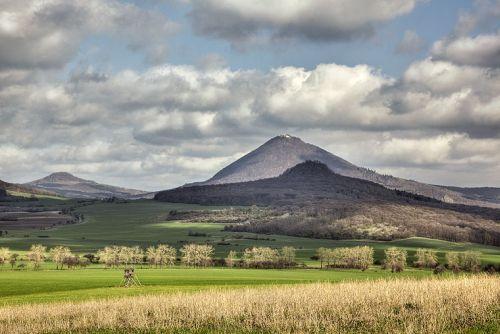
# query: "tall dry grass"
{"points": [[397, 306]]}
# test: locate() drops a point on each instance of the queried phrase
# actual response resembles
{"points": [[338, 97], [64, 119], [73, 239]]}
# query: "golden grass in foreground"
{"points": [[394, 306]]}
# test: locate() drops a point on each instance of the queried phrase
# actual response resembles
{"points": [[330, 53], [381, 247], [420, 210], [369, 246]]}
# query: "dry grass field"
{"points": [[396, 306]]}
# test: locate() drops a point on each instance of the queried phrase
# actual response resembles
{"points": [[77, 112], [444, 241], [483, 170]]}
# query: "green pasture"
{"points": [[29, 286]]}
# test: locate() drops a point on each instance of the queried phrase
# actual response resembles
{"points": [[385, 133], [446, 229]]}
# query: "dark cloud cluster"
{"points": [[245, 23]]}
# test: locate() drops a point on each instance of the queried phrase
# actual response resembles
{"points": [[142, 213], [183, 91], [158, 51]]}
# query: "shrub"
{"points": [[439, 270], [260, 257], [395, 259], [354, 257], [161, 255], [197, 255], [425, 258], [231, 258], [453, 261], [470, 261], [288, 256]]}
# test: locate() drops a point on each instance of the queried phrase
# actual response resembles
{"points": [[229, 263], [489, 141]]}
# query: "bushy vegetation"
{"points": [[114, 256], [161, 255], [466, 261], [425, 258], [197, 255], [266, 257], [393, 306], [354, 257], [395, 259]]}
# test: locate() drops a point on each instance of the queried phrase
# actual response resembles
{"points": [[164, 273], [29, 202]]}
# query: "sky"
{"points": [[153, 94]]}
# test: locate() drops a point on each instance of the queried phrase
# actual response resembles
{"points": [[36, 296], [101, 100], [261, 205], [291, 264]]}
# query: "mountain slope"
{"points": [[488, 194], [70, 186], [316, 202], [306, 182], [14, 189], [283, 152]]}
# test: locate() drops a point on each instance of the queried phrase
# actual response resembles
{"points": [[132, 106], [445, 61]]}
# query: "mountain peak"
{"points": [[62, 176], [286, 138], [274, 157]]}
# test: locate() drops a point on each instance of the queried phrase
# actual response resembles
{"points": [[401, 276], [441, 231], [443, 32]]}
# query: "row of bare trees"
{"points": [[396, 259], [37, 255], [262, 257], [195, 255]]}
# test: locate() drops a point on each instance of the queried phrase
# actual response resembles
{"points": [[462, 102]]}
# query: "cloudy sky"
{"points": [[153, 94]]}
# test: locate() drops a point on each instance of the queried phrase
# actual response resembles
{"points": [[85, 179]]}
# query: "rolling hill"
{"points": [[310, 200], [7, 190], [283, 152], [70, 186]]}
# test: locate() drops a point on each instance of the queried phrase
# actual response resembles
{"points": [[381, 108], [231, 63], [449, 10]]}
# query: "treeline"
{"points": [[194, 255]]}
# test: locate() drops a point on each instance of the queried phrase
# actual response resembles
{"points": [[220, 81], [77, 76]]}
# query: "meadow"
{"points": [[28, 286], [455, 305]]}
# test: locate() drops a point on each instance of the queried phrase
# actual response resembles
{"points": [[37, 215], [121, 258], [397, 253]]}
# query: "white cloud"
{"points": [[48, 33], [482, 50]]}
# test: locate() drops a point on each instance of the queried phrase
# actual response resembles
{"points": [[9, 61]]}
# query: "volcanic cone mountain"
{"points": [[70, 186], [283, 152]]}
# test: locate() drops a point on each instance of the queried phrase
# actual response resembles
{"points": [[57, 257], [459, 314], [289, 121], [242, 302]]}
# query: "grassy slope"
{"points": [[29, 195], [141, 223]]}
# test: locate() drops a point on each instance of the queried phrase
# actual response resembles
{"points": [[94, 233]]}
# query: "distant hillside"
{"points": [[283, 152], [488, 194], [70, 186], [306, 182], [322, 204], [13, 189]]}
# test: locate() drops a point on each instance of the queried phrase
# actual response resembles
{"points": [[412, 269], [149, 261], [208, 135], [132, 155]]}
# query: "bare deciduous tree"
{"points": [[36, 255], [4, 255], [58, 254], [197, 255], [231, 258]]}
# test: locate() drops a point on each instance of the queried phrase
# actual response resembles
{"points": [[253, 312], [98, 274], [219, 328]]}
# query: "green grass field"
{"points": [[30, 286]]}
